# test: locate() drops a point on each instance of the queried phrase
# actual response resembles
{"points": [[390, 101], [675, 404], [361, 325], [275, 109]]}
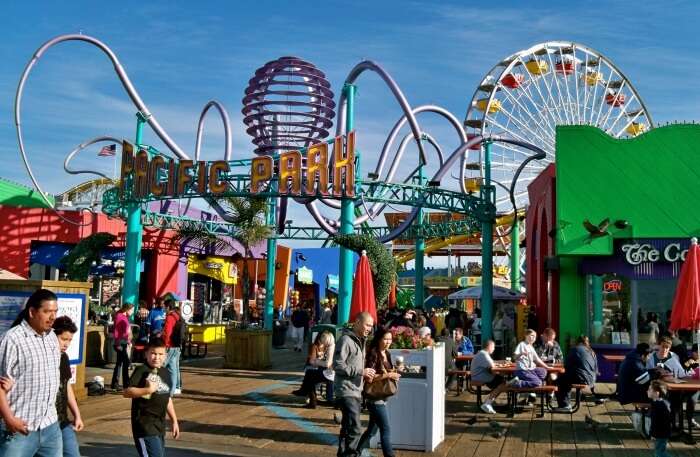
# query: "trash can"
{"points": [[279, 333]]}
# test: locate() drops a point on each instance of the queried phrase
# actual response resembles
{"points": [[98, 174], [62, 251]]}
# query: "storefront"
{"points": [[608, 227], [210, 287]]}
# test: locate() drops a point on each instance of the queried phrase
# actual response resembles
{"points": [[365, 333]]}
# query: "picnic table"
{"points": [[464, 358], [508, 368], [688, 386]]}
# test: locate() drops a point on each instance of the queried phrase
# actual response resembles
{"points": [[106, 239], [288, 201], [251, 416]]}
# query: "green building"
{"points": [[625, 213]]}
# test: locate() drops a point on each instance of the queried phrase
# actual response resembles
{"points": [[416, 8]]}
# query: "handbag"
{"points": [[382, 389]]}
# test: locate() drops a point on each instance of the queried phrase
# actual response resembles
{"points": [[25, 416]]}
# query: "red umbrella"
{"points": [[685, 313], [363, 290]]}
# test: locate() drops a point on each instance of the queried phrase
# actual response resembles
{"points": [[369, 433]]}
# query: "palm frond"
{"points": [[191, 232]]}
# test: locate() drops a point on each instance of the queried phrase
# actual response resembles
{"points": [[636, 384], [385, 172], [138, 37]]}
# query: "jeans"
{"points": [[298, 337], [70, 441], [660, 447], [123, 363], [150, 446], [531, 378], [172, 363], [350, 426], [40, 443], [378, 419]]}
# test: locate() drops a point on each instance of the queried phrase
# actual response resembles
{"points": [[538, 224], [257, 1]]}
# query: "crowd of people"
{"points": [[40, 414]]}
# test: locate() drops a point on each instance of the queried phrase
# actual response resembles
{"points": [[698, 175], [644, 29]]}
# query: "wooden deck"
{"points": [[253, 413]]}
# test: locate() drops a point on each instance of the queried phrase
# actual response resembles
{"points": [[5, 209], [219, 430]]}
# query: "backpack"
{"points": [[179, 334]]}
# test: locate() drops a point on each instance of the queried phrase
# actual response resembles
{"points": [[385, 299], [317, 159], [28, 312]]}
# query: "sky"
{"points": [[180, 55]]}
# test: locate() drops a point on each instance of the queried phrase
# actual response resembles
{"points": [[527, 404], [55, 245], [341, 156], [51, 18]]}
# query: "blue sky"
{"points": [[180, 55]]}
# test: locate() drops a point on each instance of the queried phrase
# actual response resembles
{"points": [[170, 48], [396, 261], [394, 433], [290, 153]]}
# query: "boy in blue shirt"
{"points": [[156, 319]]}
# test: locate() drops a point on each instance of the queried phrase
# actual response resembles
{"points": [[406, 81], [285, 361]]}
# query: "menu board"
{"points": [[71, 305]]}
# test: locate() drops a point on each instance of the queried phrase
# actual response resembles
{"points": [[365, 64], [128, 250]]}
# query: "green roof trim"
{"points": [[13, 194]]}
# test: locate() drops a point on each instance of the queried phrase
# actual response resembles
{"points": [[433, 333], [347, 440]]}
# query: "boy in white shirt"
{"points": [[530, 369]]}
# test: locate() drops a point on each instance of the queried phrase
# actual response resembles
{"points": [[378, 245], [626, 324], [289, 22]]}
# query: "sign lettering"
{"points": [[638, 253]]}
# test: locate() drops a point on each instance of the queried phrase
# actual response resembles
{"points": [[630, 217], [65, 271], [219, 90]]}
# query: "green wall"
{"points": [[652, 182]]}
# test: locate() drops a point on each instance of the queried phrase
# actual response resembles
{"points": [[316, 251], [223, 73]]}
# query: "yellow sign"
{"points": [[219, 268]]}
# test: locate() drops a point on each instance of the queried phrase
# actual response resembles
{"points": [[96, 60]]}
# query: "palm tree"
{"points": [[247, 215]]}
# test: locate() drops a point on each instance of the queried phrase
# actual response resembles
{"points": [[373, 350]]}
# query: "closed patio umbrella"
{"points": [[685, 313], [363, 290]]}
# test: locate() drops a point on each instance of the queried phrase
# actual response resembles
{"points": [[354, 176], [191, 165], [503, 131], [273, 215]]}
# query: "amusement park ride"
{"points": [[506, 139]]}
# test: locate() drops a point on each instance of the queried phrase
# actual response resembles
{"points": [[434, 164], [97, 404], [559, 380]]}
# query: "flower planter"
{"points": [[248, 349], [417, 411]]}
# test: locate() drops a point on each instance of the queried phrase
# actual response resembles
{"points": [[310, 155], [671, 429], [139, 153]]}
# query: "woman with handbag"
{"points": [[383, 385], [318, 367]]}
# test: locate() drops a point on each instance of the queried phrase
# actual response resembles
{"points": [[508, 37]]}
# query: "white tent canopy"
{"points": [[474, 293]]}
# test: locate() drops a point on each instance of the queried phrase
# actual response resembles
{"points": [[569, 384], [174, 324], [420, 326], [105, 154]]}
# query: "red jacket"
{"points": [[170, 321]]}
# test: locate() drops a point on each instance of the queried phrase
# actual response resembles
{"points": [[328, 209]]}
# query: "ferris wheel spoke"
{"points": [[553, 78], [542, 131], [523, 125], [534, 79], [510, 132], [576, 86], [603, 101], [549, 125]]}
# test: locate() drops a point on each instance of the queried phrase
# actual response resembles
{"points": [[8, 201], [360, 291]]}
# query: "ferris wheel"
{"points": [[526, 95]]}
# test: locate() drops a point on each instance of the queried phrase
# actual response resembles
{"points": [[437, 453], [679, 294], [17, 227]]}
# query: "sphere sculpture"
{"points": [[288, 105]]}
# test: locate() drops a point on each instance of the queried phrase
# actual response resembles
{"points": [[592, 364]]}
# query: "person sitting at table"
{"points": [[318, 367], [547, 347], [482, 371], [462, 343], [693, 361], [580, 367], [531, 371], [665, 359], [634, 376]]}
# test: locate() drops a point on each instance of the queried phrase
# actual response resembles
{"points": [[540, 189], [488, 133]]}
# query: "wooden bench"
{"points": [[462, 378], [478, 385], [541, 391], [579, 395]]}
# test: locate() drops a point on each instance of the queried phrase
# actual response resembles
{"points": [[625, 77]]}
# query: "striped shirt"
{"points": [[33, 361]]}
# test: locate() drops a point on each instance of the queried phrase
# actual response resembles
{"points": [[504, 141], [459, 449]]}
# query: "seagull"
{"points": [[471, 420], [596, 231]]}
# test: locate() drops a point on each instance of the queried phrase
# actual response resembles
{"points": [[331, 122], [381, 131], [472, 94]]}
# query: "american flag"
{"points": [[108, 151]]}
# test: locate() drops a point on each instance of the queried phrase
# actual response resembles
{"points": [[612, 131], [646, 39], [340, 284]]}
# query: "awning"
{"points": [[50, 254], [220, 268], [474, 293]]}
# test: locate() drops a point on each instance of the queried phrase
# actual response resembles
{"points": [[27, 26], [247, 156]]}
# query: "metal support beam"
{"points": [[346, 226], [134, 229], [515, 255], [487, 253], [271, 261], [419, 291]]}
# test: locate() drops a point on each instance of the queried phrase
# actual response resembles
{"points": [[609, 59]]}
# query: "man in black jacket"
{"points": [[634, 377], [581, 367]]}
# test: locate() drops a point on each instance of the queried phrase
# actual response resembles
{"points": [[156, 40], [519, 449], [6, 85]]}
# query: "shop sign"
{"points": [[213, 266], [332, 282], [638, 253], [614, 285], [305, 275]]}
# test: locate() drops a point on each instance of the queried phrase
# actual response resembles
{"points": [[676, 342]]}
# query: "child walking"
{"points": [[660, 417], [151, 401]]}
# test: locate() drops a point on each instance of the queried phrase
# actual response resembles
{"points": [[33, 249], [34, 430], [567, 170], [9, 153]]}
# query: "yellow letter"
{"points": [[216, 186], [184, 176], [344, 163], [127, 166], [141, 174], [157, 188], [290, 170], [317, 166]]}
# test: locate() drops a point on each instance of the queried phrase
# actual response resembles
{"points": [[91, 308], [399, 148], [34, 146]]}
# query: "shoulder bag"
{"points": [[382, 389]]}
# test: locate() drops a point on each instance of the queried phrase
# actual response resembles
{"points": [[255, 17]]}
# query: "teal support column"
{"points": [[597, 299], [271, 260], [134, 230], [419, 293], [515, 256], [346, 226], [487, 253]]}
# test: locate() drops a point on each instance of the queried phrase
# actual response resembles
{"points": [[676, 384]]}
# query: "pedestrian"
{"points": [[350, 376], [141, 319], [65, 329], [122, 345], [299, 322], [581, 367], [30, 356], [660, 417], [379, 359], [151, 401], [634, 376], [174, 333], [156, 318]]}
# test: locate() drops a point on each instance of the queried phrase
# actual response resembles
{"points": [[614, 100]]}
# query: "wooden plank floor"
{"points": [[255, 411]]}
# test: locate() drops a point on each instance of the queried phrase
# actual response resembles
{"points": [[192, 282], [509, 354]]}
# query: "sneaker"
{"points": [[513, 382], [487, 408], [563, 409], [533, 395], [177, 392], [299, 393]]}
